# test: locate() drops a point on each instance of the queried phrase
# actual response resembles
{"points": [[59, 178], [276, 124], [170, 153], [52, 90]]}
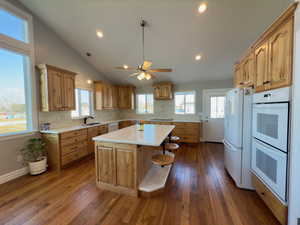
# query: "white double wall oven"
{"points": [[270, 132]]}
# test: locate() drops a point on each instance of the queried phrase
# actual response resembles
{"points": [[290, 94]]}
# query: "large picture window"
{"points": [[16, 81], [185, 102], [84, 103], [144, 103]]}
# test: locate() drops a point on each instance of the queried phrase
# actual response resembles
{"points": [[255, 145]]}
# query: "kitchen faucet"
{"points": [[86, 118]]}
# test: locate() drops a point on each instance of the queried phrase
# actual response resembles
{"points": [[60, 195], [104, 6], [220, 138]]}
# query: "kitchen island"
{"points": [[123, 159]]}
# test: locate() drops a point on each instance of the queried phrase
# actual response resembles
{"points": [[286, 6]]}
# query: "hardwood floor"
{"points": [[199, 191]]}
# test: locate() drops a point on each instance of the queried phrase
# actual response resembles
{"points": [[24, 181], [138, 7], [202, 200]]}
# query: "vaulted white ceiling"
{"points": [[176, 33]]}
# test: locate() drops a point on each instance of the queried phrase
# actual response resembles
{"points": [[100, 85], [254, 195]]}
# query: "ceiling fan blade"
{"points": [[146, 65], [160, 70], [134, 74], [123, 68]]}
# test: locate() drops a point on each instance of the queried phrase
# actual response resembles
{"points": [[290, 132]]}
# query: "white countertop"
{"points": [[153, 135], [72, 128]]}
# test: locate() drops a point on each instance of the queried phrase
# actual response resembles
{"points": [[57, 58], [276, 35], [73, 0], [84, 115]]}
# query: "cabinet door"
{"points": [[157, 92], [238, 78], [106, 165], [280, 51], [55, 90], [125, 167], [69, 92], [261, 67], [248, 71]]}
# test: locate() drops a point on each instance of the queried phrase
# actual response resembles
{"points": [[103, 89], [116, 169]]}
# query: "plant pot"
{"points": [[38, 167]]}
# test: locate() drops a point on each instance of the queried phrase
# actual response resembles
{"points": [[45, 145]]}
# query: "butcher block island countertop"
{"points": [[123, 160]]}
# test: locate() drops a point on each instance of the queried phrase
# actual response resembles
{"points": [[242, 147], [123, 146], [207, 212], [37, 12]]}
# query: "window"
{"points": [[84, 103], [217, 106], [13, 26], [17, 114], [185, 102], [144, 103]]}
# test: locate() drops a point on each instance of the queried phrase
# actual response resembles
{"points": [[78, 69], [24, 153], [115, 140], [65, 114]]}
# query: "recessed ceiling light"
{"points": [[198, 57], [89, 81], [202, 7], [99, 33], [125, 67]]}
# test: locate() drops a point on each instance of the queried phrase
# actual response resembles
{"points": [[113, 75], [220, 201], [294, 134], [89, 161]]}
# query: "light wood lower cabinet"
{"points": [[67, 147], [127, 123], [117, 167], [189, 132], [279, 210]]}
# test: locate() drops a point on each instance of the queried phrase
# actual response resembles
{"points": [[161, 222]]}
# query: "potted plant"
{"points": [[35, 155]]}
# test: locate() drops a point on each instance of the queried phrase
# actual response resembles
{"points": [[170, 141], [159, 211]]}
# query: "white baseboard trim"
{"points": [[13, 175]]}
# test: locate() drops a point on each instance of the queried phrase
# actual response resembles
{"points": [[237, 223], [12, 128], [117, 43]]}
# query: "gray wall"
{"points": [[165, 108], [50, 49]]}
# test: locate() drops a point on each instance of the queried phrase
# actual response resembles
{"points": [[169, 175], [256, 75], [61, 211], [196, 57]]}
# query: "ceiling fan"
{"points": [[144, 70]]}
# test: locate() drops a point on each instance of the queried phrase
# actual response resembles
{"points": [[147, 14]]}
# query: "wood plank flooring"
{"points": [[199, 192]]}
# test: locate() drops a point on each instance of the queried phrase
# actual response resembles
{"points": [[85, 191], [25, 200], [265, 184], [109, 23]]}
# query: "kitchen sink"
{"points": [[163, 120], [91, 124]]}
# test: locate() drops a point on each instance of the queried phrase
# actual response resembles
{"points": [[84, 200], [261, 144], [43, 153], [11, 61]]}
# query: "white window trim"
{"points": [[92, 111], [14, 45], [137, 104], [185, 92]]}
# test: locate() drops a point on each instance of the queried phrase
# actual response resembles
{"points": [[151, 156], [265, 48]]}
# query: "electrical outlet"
{"points": [[19, 158]]}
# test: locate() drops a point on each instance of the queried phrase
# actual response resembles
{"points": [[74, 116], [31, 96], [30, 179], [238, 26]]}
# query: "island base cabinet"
{"points": [[116, 166]]}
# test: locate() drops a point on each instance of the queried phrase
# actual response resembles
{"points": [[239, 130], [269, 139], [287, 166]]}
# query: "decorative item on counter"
{"points": [[45, 126], [140, 126], [34, 154]]}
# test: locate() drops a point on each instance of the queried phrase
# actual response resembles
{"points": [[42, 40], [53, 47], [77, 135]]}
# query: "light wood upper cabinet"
{"points": [[261, 67], [163, 91], [280, 51], [57, 87], [273, 57], [126, 97], [69, 94], [238, 78], [248, 70], [105, 96]]}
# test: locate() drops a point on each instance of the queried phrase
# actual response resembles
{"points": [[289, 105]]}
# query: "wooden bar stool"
{"points": [[162, 159], [174, 139], [171, 147]]}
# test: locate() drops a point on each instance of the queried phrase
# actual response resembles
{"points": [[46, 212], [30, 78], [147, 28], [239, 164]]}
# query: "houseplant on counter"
{"points": [[35, 155]]}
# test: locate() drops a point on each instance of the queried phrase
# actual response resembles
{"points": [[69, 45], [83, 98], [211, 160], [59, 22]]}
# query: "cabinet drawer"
{"points": [[279, 210], [71, 134], [66, 159], [102, 129], [71, 148], [93, 132], [74, 140]]}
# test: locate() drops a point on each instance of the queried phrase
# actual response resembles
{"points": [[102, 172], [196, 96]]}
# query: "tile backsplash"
{"points": [[63, 119]]}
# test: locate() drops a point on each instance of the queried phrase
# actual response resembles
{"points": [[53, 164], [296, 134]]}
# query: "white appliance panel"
{"points": [[270, 165], [270, 124], [233, 162], [233, 121]]}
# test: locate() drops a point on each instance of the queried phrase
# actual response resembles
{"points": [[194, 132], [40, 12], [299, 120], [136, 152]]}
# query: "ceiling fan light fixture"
{"points": [[140, 77], [99, 33], [202, 7], [148, 76], [198, 57], [125, 67]]}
